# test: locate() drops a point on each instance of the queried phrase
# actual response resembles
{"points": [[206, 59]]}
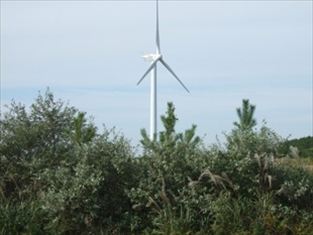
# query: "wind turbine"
{"points": [[154, 58]]}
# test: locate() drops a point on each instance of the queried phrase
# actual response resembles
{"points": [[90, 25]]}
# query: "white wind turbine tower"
{"points": [[154, 58]]}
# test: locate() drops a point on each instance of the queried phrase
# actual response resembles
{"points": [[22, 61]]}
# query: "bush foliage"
{"points": [[60, 175], [304, 146]]}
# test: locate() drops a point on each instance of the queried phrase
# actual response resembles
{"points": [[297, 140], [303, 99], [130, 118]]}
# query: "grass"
{"points": [[305, 163]]}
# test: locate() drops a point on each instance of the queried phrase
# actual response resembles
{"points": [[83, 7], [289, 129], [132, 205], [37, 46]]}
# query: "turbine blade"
{"points": [[148, 71], [172, 72], [157, 28]]}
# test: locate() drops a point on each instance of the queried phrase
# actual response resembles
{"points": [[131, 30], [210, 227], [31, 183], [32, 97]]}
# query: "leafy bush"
{"points": [[52, 156], [59, 175], [25, 217]]}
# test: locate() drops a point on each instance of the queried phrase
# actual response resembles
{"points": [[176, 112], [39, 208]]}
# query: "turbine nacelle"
{"points": [[151, 57]]}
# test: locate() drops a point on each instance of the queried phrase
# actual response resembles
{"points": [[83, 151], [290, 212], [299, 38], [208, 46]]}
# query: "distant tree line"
{"points": [[304, 145]]}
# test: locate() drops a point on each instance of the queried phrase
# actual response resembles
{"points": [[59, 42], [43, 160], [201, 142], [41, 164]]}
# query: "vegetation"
{"points": [[60, 175], [304, 146], [245, 115]]}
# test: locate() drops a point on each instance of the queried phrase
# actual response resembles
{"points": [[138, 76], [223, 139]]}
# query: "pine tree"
{"points": [[245, 115]]}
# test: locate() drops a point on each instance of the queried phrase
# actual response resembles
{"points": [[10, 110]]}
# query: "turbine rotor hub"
{"points": [[151, 57]]}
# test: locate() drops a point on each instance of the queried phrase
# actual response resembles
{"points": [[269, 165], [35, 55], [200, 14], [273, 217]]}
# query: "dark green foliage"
{"points": [[59, 175], [245, 115], [32, 141], [182, 191], [259, 215], [21, 218], [295, 187], [92, 195], [53, 159], [168, 140], [304, 145], [167, 165]]}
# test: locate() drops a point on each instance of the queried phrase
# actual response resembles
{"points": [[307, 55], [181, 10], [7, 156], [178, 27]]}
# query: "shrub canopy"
{"points": [[60, 175]]}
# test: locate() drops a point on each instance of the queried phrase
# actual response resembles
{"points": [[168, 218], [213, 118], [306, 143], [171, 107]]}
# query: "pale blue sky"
{"points": [[88, 53]]}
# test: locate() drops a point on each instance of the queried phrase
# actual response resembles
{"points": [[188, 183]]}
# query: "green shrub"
{"points": [[294, 187], [59, 175], [22, 218]]}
